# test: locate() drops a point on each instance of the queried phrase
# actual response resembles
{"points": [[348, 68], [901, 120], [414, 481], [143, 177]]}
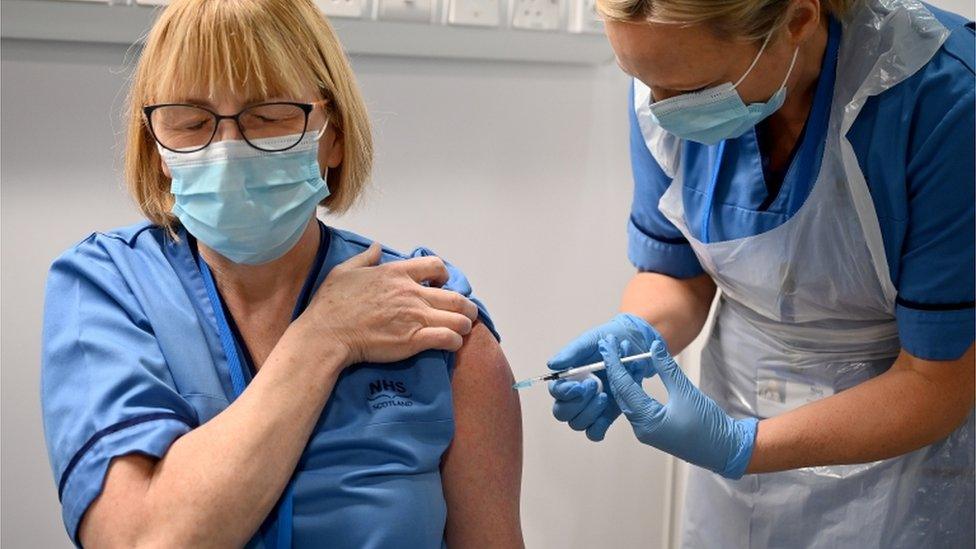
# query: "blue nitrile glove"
{"points": [[690, 426], [584, 404]]}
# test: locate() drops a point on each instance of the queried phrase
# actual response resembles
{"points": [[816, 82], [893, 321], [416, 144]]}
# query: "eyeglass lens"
{"points": [[187, 128]]}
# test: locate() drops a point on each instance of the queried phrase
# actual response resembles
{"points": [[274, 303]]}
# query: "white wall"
{"points": [[518, 173]]}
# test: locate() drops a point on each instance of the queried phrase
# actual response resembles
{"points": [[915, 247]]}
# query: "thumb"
{"points": [[368, 258], [671, 375], [629, 395]]}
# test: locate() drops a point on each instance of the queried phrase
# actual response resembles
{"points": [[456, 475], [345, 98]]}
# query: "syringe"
{"points": [[575, 373]]}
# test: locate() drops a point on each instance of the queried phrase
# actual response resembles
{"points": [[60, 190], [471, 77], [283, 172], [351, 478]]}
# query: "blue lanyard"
{"points": [[223, 331], [279, 537], [707, 214]]}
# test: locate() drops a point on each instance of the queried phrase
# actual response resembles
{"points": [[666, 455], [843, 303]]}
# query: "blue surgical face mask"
{"points": [[718, 113], [249, 206]]}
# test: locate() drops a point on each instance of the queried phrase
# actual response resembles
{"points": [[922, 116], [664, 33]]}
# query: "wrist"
{"points": [[745, 442], [647, 332], [328, 351]]}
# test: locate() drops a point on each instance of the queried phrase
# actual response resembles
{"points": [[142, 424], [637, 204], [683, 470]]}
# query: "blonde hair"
{"points": [[259, 48], [746, 19]]}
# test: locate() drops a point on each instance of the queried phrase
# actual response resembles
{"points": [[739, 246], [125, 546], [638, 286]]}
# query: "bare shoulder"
{"points": [[481, 360]]}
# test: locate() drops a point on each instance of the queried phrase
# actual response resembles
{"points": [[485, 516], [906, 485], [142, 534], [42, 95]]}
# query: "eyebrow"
{"points": [[674, 87]]}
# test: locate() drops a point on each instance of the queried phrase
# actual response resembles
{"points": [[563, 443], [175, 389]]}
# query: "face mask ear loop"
{"points": [[317, 137], [754, 61], [322, 131], [790, 70]]}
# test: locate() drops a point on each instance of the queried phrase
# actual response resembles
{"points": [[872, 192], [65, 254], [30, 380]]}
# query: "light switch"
{"points": [[481, 13]]}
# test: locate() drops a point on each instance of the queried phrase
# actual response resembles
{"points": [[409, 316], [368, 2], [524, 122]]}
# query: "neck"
{"points": [[271, 281], [803, 83]]}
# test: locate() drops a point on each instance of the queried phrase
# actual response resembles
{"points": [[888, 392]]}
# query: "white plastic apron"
{"points": [[807, 310]]}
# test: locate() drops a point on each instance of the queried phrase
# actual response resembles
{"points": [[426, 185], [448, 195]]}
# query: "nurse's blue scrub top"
{"points": [[133, 359], [914, 143]]}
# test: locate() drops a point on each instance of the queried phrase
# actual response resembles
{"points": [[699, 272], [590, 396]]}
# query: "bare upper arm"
{"points": [[954, 381], [482, 469], [113, 518]]}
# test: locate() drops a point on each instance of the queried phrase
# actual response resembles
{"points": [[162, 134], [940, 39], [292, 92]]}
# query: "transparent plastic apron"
{"points": [[807, 310]]}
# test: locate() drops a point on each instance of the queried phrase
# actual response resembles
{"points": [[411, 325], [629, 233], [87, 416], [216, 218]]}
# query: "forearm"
{"points": [[676, 308], [904, 409], [217, 483]]}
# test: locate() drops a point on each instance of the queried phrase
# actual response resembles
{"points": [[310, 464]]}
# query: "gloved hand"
{"points": [[584, 404], [690, 426]]}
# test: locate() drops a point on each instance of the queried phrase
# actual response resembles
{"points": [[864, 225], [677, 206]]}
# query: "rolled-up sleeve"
{"points": [[106, 390], [653, 242]]}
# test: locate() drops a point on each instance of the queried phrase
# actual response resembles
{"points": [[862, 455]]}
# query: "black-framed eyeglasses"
{"points": [[270, 127]]}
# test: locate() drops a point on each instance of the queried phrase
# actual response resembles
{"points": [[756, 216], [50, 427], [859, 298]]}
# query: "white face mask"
{"points": [[718, 113]]}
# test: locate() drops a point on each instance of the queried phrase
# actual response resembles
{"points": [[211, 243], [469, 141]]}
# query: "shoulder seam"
{"points": [[129, 241], [365, 242], [951, 53]]}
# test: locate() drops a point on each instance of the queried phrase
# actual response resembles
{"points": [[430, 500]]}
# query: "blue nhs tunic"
{"points": [[138, 350]]}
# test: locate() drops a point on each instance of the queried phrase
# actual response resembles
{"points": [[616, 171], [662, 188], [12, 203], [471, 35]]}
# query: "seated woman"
{"points": [[233, 372]]}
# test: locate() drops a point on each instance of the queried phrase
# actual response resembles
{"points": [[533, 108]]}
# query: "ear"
{"points": [[330, 149], [803, 20], [162, 164]]}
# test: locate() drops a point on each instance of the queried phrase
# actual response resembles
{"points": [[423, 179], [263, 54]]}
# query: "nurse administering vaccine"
{"points": [[811, 161]]}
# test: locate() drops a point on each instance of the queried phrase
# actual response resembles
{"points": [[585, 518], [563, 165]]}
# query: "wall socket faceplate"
{"points": [[537, 14]]}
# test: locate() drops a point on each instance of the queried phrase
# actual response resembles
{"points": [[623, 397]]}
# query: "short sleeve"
{"points": [[653, 242], [936, 285], [106, 390], [459, 283]]}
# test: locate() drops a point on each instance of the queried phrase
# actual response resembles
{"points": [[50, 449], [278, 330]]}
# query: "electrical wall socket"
{"points": [[479, 13], [585, 18], [419, 11], [342, 8], [536, 14]]}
